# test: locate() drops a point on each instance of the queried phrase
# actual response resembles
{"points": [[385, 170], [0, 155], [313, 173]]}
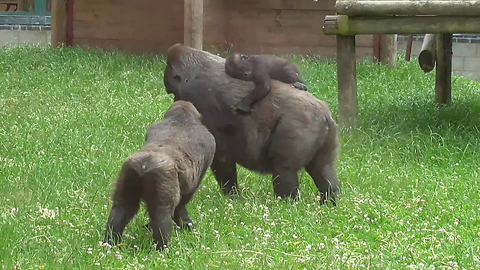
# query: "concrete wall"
{"points": [[18, 35], [466, 54]]}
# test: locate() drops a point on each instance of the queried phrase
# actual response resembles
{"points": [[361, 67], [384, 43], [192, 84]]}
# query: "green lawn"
{"points": [[69, 118]]}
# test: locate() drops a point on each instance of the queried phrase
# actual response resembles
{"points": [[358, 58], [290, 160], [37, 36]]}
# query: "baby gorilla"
{"points": [[261, 69], [166, 173]]}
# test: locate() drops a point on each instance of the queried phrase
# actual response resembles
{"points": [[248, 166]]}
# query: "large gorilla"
{"points": [[288, 129]]}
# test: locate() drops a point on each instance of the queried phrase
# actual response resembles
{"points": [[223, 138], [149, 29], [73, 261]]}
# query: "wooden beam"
{"points": [[193, 24], [59, 23], [443, 82], [432, 7], [388, 49], [347, 81], [344, 25], [427, 56]]}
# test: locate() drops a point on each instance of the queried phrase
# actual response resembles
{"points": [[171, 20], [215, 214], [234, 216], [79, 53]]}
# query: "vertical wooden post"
{"points": [[26, 5], [408, 52], [347, 81], [59, 23], [388, 49], [443, 82], [376, 48], [70, 5], [193, 24]]}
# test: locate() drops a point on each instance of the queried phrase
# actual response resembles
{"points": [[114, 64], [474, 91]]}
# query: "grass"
{"points": [[70, 117]]}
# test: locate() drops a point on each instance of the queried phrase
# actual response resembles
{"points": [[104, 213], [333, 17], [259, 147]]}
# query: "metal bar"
{"points": [[25, 19]]}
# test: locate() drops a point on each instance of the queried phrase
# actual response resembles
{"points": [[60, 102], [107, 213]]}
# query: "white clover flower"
{"points": [[47, 213]]}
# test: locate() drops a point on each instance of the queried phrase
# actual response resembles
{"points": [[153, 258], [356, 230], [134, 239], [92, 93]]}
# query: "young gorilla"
{"points": [[261, 69], [166, 173]]}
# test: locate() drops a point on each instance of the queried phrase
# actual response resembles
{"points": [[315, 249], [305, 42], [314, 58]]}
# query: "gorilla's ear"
{"points": [[244, 57]]}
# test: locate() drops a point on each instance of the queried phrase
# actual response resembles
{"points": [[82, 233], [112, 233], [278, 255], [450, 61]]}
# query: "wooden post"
{"points": [[427, 56], [388, 49], [443, 83], [376, 48], [347, 81], [59, 23], [193, 24], [408, 53], [26, 5]]}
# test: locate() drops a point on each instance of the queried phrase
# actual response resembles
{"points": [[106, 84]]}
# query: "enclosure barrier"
{"points": [[440, 17]]}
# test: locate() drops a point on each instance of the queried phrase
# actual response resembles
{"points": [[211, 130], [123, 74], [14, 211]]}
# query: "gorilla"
{"points": [[165, 173], [261, 69], [287, 130]]}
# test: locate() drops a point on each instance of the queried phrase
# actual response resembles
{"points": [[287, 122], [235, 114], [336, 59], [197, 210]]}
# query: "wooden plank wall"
{"points": [[273, 26], [250, 26], [142, 26]]}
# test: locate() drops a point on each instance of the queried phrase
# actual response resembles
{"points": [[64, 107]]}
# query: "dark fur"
{"points": [[288, 131], [166, 173], [261, 69]]}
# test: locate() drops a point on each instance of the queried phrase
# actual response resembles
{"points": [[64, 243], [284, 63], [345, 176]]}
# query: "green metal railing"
{"points": [[40, 8], [39, 16]]}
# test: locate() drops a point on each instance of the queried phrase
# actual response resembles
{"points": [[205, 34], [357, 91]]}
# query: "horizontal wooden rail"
{"points": [[345, 25], [408, 7]]}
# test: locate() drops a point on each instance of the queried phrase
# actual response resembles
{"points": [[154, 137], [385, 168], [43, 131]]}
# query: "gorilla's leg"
{"points": [[180, 216], [224, 168], [161, 224], [285, 182], [322, 170], [126, 201]]}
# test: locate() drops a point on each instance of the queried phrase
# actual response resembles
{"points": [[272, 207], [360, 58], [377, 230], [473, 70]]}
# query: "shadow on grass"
{"points": [[424, 116]]}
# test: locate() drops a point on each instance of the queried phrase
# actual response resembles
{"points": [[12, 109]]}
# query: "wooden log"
{"points": [[344, 25], [388, 49], [193, 24], [408, 52], [427, 56], [347, 81], [405, 7], [59, 23], [443, 76], [332, 25]]}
